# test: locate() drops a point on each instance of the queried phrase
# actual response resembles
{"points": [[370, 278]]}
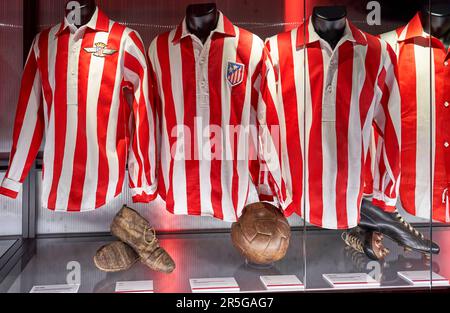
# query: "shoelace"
{"points": [[353, 241], [409, 226], [154, 240]]}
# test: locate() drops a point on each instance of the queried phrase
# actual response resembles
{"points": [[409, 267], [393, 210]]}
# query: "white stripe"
{"points": [[433, 126], [329, 146], [204, 149], [423, 183], [355, 136]]}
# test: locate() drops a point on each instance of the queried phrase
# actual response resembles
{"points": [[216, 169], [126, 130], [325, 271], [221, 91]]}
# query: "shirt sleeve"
{"points": [[28, 128], [271, 183], [142, 155], [387, 124]]}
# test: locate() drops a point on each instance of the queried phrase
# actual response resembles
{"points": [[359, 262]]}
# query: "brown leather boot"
{"points": [[115, 257], [133, 229]]}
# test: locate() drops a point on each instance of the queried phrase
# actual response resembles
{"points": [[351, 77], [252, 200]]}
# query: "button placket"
{"points": [[201, 52], [72, 84], [329, 104]]}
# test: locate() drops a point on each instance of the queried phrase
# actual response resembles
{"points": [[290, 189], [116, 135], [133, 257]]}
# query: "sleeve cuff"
{"points": [[10, 188], [8, 193], [144, 195], [384, 206]]}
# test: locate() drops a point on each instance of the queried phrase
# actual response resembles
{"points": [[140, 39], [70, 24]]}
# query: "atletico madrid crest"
{"points": [[100, 50], [235, 73]]}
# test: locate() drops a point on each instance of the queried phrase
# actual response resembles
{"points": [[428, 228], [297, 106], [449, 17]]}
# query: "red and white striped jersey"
{"points": [[210, 96], [425, 121], [73, 92], [329, 101]]}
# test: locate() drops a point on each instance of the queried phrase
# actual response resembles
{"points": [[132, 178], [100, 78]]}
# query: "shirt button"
{"points": [[330, 89], [446, 63], [446, 104], [446, 144]]}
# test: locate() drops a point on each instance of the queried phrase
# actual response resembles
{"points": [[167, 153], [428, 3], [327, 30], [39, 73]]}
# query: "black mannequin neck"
{"points": [[88, 8], [330, 23], [202, 19], [436, 21]]}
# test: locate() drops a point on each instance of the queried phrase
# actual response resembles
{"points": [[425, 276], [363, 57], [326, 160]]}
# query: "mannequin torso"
{"points": [[87, 10], [437, 22], [201, 19], [330, 22]]}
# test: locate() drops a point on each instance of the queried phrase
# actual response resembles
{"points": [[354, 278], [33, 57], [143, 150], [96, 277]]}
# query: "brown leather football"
{"points": [[262, 234]]}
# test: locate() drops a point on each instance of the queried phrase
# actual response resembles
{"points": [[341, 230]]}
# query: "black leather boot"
{"points": [[393, 226]]}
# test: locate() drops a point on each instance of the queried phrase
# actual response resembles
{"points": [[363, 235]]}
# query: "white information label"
{"points": [[145, 286], [423, 278], [351, 280], [214, 285], [282, 283], [56, 289]]}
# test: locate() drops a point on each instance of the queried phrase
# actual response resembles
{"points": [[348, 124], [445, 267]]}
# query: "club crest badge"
{"points": [[235, 73], [100, 50]]}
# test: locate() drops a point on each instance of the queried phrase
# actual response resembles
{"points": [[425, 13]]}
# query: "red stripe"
{"points": [[169, 107], [289, 93], [408, 88], [192, 165], [238, 93], [104, 109], [80, 160], [315, 167], [215, 103], [441, 174], [60, 115], [343, 102]]}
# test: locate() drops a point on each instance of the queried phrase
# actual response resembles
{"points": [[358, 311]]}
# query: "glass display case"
{"points": [[357, 90]]}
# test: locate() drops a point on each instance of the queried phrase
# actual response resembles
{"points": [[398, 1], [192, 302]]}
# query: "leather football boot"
{"points": [[393, 226], [133, 229], [367, 242], [115, 257]]}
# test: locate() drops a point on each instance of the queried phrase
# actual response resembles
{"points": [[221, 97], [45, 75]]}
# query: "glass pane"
{"points": [[437, 19], [11, 66], [352, 89]]}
